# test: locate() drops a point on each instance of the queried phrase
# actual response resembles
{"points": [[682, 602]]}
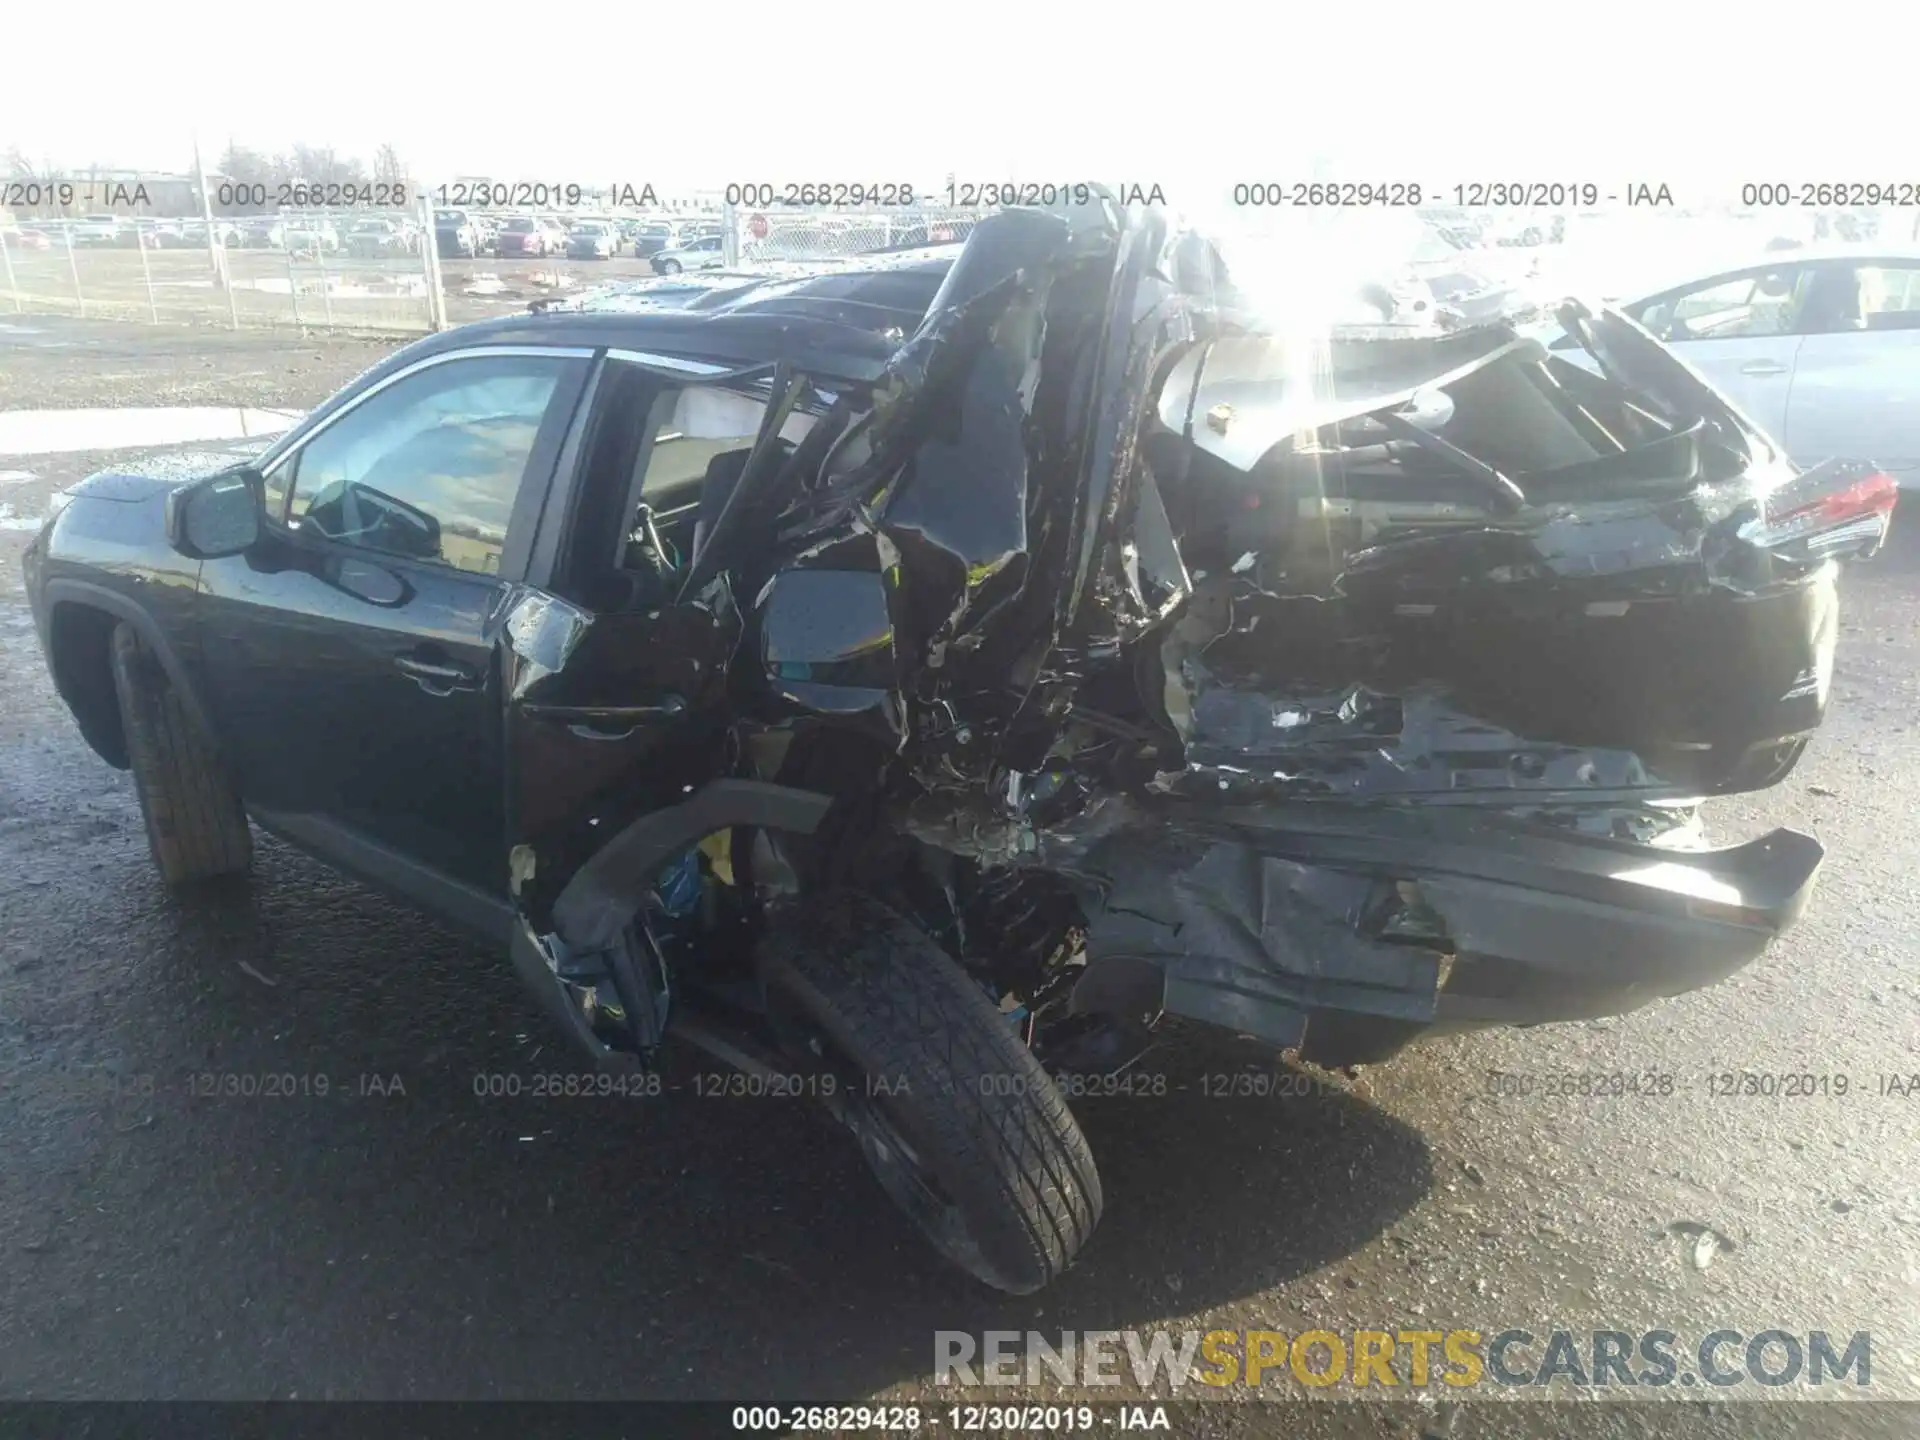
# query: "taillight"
{"points": [[1828, 510], [1871, 494]]}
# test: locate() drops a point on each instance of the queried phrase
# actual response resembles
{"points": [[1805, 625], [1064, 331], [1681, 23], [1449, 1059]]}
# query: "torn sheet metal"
{"points": [[1252, 641], [543, 631]]}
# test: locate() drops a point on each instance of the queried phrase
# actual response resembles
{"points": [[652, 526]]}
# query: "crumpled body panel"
{"points": [[1330, 689], [1260, 921]]}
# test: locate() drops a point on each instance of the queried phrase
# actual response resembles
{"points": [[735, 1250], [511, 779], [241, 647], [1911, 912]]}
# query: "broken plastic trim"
{"points": [[600, 902], [1261, 919]]}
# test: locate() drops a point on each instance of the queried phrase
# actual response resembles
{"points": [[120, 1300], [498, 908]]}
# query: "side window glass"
{"points": [[693, 429], [1743, 307], [274, 491], [429, 467], [1890, 296], [1655, 315]]}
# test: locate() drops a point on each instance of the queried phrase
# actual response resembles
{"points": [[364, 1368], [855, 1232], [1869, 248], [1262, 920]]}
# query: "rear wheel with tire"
{"points": [[959, 1123], [669, 267], [196, 829]]}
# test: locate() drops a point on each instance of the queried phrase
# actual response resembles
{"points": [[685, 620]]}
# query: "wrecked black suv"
{"points": [[925, 678]]}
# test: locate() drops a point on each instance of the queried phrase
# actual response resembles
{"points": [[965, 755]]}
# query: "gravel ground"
{"points": [[435, 1244], [63, 363]]}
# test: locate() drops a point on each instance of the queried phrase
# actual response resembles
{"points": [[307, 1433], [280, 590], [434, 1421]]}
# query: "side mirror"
{"points": [[218, 516], [393, 525]]}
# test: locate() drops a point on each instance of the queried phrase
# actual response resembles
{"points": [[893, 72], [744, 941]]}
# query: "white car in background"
{"points": [[1820, 346], [705, 253]]}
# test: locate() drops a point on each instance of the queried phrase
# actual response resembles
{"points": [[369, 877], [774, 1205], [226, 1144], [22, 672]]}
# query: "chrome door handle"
{"points": [[436, 678], [607, 722], [1763, 367]]}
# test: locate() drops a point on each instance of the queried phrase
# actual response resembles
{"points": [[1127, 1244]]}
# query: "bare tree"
{"points": [[320, 165], [255, 173], [246, 169], [20, 167]]}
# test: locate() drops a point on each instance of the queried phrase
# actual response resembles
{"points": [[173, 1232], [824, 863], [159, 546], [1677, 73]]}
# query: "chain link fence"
{"points": [[394, 271], [800, 235], [374, 270], [359, 270]]}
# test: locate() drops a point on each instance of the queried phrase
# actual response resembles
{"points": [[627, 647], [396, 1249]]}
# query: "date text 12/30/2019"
{"points": [[996, 1419], [541, 194], [1467, 195]]}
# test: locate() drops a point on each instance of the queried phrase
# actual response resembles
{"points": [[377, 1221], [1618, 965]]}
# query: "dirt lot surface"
{"points": [[430, 1242], [68, 363]]}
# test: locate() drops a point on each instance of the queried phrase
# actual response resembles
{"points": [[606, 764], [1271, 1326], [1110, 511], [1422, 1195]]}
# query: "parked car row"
{"points": [[593, 240], [370, 236], [457, 233], [535, 235], [97, 231], [652, 239], [469, 234], [378, 237]]}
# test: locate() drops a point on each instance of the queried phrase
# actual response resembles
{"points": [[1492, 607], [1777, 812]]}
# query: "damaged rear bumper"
{"points": [[1349, 933]]}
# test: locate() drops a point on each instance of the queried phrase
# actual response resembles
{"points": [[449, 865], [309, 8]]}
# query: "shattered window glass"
{"points": [[429, 467]]}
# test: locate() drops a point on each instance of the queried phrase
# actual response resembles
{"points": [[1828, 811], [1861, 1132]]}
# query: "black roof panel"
{"points": [[843, 319]]}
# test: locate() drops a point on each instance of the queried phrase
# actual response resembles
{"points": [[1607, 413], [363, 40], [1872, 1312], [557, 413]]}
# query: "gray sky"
{"points": [[1192, 97]]}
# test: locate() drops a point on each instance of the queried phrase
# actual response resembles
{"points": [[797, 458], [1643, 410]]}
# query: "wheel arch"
{"points": [[601, 899], [81, 617]]}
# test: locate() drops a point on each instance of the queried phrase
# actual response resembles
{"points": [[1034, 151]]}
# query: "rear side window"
{"points": [[1890, 296], [428, 469], [1755, 304], [688, 430]]}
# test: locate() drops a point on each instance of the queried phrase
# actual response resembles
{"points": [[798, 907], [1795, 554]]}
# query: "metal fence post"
{"points": [[223, 277], [320, 259], [146, 273], [729, 233], [216, 259], [13, 286], [440, 319], [293, 286], [430, 276], [421, 217], [73, 268], [430, 259]]}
